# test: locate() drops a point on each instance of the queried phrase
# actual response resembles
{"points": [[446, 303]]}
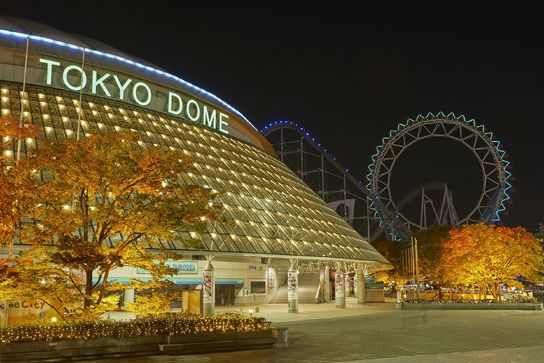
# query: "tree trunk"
{"points": [[88, 288]]}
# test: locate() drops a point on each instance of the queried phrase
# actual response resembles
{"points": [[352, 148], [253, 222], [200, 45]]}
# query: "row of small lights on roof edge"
{"points": [[127, 61], [307, 134]]}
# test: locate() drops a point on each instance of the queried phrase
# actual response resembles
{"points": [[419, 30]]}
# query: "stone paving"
{"points": [[379, 333]]}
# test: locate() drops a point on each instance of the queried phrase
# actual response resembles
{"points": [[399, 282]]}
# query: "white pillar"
{"points": [[360, 287], [208, 289], [128, 296], [339, 289], [348, 285], [327, 285], [292, 290], [320, 298]]}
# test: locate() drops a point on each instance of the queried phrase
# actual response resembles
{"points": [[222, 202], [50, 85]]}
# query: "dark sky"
{"points": [[351, 75]]}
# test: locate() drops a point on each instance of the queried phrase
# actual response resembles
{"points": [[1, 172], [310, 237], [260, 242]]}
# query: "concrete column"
{"points": [[355, 283], [360, 287], [348, 285], [320, 298], [208, 289], [327, 288], [292, 290], [282, 340], [339, 289], [128, 296]]}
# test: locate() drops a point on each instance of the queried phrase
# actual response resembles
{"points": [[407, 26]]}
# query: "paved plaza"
{"points": [[380, 333]]}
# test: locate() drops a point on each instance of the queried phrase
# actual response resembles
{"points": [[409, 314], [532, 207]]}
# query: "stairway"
{"points": [[308, 283]]}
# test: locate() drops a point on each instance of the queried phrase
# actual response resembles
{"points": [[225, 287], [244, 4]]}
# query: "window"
{"points": [[258, 287]]}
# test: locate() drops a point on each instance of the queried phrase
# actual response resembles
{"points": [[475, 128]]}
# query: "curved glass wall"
{"points": [[271, 211]]}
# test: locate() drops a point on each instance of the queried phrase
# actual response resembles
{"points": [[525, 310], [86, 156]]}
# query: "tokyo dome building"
{"points": [[73, 83]]}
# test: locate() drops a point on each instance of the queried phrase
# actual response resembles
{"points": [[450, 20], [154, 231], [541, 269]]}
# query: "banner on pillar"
{"points": [[271, 273], [339, 285], [207, 287], [292, 285]]}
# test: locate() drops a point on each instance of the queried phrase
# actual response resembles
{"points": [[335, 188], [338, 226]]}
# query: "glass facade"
{"points": [[271, 211]]}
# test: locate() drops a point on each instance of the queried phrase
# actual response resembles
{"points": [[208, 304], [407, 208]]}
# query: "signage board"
{"points": [[99, 82]]}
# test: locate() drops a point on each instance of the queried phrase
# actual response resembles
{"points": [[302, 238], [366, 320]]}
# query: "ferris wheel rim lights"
{"points": [[478, 129]]}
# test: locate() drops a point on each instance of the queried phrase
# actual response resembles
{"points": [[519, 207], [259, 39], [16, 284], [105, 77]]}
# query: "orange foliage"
{"points": [[16, 179], [490, 254], [103, 203], [12, 127]]}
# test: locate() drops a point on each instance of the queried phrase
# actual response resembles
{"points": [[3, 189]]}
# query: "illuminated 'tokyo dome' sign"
{"points": [[61, 74]]}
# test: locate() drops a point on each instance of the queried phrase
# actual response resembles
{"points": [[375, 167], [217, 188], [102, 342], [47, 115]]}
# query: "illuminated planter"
{"points": [[137, 346], [175, 334]]}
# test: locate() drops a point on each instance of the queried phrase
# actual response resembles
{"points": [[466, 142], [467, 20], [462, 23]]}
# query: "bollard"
{"points": [[280, 334]]}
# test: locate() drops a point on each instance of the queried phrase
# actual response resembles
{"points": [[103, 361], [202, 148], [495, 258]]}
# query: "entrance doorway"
{"points": [[224, 295]]}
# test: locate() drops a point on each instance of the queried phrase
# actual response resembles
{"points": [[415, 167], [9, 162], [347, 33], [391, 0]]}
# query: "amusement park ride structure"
{"points": [[370, 208]]}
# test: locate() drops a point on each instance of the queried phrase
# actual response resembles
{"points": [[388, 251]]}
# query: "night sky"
{"points": [[350, 76]]}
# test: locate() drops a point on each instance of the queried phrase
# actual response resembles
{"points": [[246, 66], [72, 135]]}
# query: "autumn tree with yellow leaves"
{"points": [[490, 255], [96, 205], [15, 181]]}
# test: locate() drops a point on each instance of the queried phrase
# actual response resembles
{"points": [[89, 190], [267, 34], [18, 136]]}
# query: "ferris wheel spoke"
{"points": [[468, 137], [493, 181]]}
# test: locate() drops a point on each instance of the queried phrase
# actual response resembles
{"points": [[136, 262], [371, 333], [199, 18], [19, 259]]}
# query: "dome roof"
{"points": [[26, 26], [46, 39]]}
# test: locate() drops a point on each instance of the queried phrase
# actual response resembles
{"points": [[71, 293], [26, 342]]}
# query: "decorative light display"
{"points": [[479, 130], [171, 324], [307, 136]]}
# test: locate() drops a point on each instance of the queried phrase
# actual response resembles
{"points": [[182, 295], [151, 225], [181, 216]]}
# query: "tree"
{"points": [[102, 204], [429, 251], [12, 128], [490, 255], [391, 250], [430, 242], [15, 178]]}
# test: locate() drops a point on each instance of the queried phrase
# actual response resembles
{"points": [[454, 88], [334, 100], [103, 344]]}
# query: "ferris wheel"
{"points": [[483, 145]]}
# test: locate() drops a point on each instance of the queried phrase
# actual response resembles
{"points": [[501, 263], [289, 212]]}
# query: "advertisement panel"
{"points": [[20, 312]]}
